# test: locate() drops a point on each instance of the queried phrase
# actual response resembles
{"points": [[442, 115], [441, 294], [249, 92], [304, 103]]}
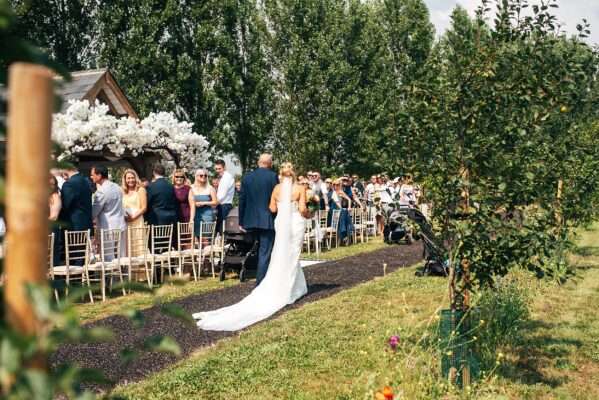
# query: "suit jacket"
{"points": [[254, 198], [162, 203], [76, 211], [107, 207]]}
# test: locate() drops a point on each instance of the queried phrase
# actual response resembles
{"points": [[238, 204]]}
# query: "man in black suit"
{"points": [[254, 214], [162, 203], [76, 210], [76, 196]]}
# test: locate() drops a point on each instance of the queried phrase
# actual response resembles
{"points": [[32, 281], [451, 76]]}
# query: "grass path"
{"points": [[336, 348]]}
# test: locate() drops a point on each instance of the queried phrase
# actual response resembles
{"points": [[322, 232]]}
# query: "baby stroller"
{"points": [[434, 251], [241, 248], [398, 228]]}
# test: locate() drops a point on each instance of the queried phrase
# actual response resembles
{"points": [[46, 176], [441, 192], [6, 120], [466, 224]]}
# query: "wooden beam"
{"points": [[28, 155]]}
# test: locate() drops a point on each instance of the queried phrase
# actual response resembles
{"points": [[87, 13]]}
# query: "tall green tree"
{"points": [[63, 28]]}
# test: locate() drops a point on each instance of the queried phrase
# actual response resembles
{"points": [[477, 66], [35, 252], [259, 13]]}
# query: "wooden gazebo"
{"points": [[100, 85]]}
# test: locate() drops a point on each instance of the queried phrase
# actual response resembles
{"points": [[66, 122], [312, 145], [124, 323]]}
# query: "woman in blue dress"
{"points": [[202, 197], [343, 202]]}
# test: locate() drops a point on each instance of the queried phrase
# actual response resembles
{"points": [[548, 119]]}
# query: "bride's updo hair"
{"points": [[287, 170]]}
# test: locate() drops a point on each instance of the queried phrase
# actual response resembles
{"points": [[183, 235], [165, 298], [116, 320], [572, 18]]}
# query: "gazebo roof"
{"points": [[96, 84]]}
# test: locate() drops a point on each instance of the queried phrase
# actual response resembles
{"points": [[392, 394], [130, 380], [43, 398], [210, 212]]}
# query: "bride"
{"points": [[284, 282]]}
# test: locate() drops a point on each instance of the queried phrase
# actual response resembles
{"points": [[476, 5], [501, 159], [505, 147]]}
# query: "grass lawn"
{"points": [[119, 304], [337, 348]]}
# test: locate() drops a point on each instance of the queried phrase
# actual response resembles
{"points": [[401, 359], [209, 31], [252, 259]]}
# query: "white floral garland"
{"points": [[83, 127]]}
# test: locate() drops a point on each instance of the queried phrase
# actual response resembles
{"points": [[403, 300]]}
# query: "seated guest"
{"points": [[107, 206], [182, 194], [202, 197], [162, 203], [135, 203]]}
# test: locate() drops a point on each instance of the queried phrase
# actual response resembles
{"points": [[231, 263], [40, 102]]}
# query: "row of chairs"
{"points": [[149, 254], [320, 233]]}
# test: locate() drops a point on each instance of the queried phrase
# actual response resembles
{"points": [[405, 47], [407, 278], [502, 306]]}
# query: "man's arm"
{"points": [[242, 200], [67, 196], [98, 203]]}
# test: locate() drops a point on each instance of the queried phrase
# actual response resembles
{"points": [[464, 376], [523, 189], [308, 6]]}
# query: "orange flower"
{"points": [[388, 393], [379, 396]]}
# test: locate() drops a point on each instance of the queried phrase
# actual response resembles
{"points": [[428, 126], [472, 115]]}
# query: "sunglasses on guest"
{"points": [[179, 177], [201, 175]]}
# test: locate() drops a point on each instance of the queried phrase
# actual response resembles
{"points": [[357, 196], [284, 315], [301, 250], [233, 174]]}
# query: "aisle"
{"points": [[324, 279]]}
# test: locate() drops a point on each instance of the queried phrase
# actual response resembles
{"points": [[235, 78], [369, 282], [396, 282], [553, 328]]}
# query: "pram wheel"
{"points": [[221, 275], [242, 275]]}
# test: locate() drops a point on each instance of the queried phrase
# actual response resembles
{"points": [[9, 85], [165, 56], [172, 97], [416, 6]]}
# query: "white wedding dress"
{"points": [[284, 282]]}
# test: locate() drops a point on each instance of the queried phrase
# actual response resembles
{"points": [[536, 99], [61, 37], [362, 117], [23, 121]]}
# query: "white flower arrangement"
{"points": [[85, 127]]}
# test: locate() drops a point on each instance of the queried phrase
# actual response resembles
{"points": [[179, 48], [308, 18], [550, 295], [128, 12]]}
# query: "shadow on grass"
{"points": [[539, 353]]}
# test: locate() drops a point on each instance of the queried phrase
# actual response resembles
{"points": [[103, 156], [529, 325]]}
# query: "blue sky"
{"points": [[569, 13]]}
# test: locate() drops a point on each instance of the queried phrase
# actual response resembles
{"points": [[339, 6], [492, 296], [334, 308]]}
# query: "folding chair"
{"points": [[333, 230], [51, 263]]}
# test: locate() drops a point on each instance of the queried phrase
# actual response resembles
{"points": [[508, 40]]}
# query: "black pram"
{"points": [[241, 248], [434, 250]]}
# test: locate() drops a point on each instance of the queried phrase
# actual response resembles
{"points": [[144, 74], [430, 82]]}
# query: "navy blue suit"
{"points": [[162, 203], [76, 211], [254, 214]]}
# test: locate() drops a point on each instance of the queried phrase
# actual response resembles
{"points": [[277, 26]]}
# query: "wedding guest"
{"points": [[370, 191], [182, 194], [201, 199], [320, 189], [59, 176], [162, 203], [135, 203], [343, 202], [406, 192], [358, 185], [224, 193], [107, 205], [145, 182], [76, 196], [348, 189], [55, 204]]}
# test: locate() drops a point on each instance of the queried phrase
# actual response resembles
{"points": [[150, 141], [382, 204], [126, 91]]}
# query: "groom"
{"points": [[254, 214]]}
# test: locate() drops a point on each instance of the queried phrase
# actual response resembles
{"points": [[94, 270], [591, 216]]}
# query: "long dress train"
{"points": [[284, 282]]}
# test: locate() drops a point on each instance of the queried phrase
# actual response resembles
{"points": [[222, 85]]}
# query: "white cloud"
{"points": [[569, 13]]}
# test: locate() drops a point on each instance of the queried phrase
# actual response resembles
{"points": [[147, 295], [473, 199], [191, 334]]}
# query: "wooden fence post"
{"points": [[28, 160]]}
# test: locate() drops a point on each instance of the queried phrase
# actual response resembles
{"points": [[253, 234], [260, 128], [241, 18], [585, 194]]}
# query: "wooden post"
{"points": [[28, 160]]}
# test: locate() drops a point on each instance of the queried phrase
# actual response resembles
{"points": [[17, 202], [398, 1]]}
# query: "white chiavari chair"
{"points": [[108, 263], [77, 256], [210, 245], [137, 260], [187, 251], [161, 248]]}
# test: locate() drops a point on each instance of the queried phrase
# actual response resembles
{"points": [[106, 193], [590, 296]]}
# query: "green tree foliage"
{"points": [[498, 117], [63, 28]]}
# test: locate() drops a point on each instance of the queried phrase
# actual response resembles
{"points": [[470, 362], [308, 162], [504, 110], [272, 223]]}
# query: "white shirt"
{"points": [[319, 188], [384, 193], [369, 192], [226, 189]]}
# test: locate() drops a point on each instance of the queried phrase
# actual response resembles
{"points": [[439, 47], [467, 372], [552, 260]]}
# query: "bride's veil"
{"points": [[281, 248]]}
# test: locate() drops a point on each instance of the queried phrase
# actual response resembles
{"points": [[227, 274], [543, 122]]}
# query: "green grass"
{"points": [[336, 348], [118, 304]]}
